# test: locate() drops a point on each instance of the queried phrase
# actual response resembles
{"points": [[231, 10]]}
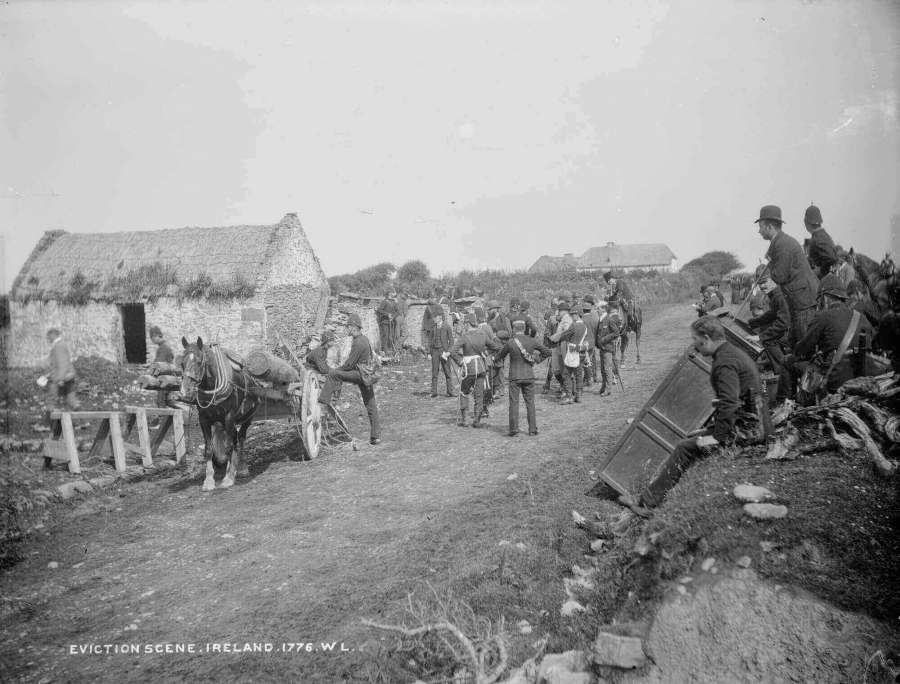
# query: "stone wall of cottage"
{"points": [[92, 329]]}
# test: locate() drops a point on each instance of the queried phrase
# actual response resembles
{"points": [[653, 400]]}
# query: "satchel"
{"points": [[573, 353], [815, 377], [525, 355], [371, 371]]}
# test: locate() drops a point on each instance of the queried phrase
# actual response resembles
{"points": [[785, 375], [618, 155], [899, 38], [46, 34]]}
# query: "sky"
{"points": [[465, 134]]}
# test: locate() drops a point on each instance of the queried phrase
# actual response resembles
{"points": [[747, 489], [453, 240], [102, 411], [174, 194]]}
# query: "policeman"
{"points": [[822, 254], [775, 323], [499, 322], [517, 313], [827, 332], [468, 353]]}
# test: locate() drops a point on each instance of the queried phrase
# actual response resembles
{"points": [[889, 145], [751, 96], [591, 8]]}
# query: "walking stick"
{"points": [[749, 295], [616, 367]]}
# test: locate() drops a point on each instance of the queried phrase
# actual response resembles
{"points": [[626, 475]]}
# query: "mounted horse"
{"points": [[630, 325], [225, 405]]}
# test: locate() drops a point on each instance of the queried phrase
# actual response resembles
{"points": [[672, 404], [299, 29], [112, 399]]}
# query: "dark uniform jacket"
{"points": [[428, 317], [360, 353], [776, 321], [318, 360], [442, 338], [164, 354], [607, 332], [732, 375], [519, 369], [591, 320], [550, 330], [714, 301], [385, 310], [577, 333], [621, 292], [530, 327], [821, 251], [474, 343], [791, 270], [825, 333], [501, 326]]}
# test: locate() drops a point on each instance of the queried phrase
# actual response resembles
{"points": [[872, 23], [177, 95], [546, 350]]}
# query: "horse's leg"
{"points": [[623, 347], [637, 341], [231, 454], [206, 427], [242, 469]]}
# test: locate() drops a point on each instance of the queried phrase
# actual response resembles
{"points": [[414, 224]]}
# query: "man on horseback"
{"points": [[621, 296]]}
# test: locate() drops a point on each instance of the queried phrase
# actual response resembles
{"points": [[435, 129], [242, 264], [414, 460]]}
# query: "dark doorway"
{"points": [[134, 328]]}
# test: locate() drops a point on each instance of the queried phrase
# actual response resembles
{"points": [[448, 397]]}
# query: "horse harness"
{"points": [[224, 388]]}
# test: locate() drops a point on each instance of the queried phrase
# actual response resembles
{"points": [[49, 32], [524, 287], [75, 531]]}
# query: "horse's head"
{"points": [[194, 368]]}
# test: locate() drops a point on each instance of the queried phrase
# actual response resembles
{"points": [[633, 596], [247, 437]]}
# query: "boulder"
{"points": [[611, 650], [571, 607], [752, 494], [763, 511], [66, 490], [555, 663], [82, 486]]}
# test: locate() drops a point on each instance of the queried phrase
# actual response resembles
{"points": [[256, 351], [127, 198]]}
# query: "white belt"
{"points": [[467, 359]]}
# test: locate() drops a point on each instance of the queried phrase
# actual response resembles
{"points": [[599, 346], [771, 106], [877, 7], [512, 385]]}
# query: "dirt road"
{"points": [[300, 551]]}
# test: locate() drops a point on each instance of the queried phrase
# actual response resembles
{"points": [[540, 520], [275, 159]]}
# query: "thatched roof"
{"points": [[547, 264], [176, 262], [626, 256]]}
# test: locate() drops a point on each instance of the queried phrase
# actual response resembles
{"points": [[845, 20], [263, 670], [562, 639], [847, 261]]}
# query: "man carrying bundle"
{"points": [[468, 353], [163, 355]]}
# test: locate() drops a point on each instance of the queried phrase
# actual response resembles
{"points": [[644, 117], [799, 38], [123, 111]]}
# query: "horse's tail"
{"points": [[218, 444]]}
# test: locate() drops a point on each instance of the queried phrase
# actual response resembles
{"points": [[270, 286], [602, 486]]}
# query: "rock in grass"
{"points": [[523, 626], [707, 564], [612, 650], [571, 607], [744, 561], [752, 494], [764, 511]]}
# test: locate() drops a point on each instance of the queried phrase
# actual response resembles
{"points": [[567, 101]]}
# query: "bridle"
{"points": [[223, 386]]}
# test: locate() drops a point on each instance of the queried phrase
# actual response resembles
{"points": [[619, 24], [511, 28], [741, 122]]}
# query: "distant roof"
{"points": [[220, 254], [550, 263], [619, 256]]}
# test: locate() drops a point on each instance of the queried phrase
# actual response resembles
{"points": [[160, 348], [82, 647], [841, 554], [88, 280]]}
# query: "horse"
{"points": [[225, 405], [634, 326]]}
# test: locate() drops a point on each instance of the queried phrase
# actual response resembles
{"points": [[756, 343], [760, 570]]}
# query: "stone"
{"points": [[571, 607], [763, 511], [707, 564], [66, 490], [53, 565], [82, 486], [744, 561], [752, 494], [686, 579], [101, 482], [597, 545], [504, 542], [43, 493], [557, 676], [611, 650], [524, 627], [570, 661], [643, 547], [681, 589], [514, 476], [521, 546], [767, 546]]}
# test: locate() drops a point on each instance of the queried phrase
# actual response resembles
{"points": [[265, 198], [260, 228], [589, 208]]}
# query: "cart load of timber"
{"points": [[285, 387]]}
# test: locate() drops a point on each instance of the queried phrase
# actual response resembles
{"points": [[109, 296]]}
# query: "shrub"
{"points": [[150, 281], [79, 290]]}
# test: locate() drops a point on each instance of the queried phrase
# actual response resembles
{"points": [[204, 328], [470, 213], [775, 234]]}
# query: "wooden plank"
{"points": [[69, 436], [56, 426], [178, 434], [117, 443], [160, 435], [682, 403], [133, 448], [55, 449], [100, 438], [144, 437], [81, 415], [153, 411]]}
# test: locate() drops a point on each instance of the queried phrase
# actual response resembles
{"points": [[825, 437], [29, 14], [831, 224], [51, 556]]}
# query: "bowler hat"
{"points": [[770, 213], [574, 312], [586, 309], [813, 215], [354, 319], [591, 298], [564, 306], [832, 285], [493, 304]]}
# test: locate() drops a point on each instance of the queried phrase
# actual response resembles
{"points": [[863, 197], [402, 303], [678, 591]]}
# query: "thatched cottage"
{"points": [[612, 257], [240, 285]]}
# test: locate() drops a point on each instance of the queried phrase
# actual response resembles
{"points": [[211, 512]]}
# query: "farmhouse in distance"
{"points": [[612, 257]]}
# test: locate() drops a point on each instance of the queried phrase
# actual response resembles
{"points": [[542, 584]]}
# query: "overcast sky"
{"points": [[465, 134]]}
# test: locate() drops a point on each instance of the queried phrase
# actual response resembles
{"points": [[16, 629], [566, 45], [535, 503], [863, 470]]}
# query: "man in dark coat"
{"points": [[431, 310], [608, 332], [550, 323], [591, 319], [790, 270], [517, 314], [822, 254], [734, 380], [441, 343], [469, 353], [489, 334], [620, 295], [775, 323], [164, 354], [385, 315], [61, 376], [499, 322], [360, 354], [523, 352], [712, 300], [824, 335]]}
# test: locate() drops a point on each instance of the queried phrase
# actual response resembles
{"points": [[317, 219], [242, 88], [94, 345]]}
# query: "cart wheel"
{"points": [[310, 416]]}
